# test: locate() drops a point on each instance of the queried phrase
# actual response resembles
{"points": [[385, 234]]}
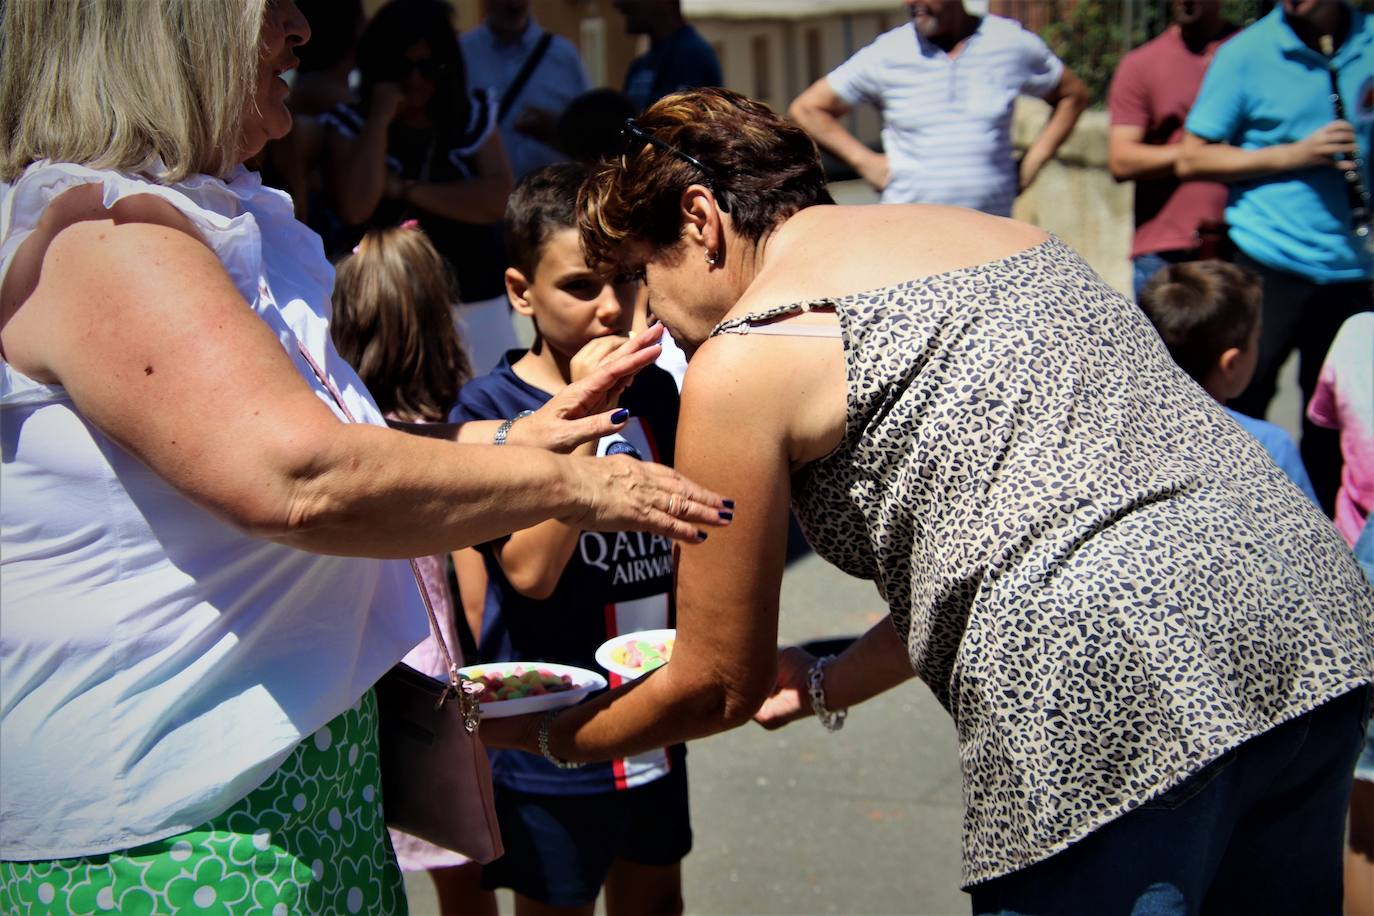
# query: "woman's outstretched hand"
{"points": [[585, 409], [617, 493], [790, 699]]}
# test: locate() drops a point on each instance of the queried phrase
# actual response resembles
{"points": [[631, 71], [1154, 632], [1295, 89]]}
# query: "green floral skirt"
{"points": [[309, 840]]}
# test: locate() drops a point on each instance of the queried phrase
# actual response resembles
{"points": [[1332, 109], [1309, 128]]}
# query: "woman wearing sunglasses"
{"points": [[1155, 651], [420, 145]]}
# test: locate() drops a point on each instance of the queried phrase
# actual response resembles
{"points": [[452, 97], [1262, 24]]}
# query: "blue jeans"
{"points": [[1260, 830]]}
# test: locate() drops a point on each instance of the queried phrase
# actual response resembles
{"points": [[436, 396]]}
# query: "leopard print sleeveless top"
{"points": [[1104, 580]]}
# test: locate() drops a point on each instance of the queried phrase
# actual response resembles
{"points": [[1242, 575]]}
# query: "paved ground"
{"points": [[862, 821], [800, 821]]}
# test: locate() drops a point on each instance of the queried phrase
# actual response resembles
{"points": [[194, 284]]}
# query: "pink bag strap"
{"points": [[455, 681]]}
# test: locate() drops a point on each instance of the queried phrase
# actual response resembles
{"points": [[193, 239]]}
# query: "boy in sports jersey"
{"points": [[556, 592]]}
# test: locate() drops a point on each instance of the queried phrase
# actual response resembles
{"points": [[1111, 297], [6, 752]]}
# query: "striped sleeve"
{"points": [[860, 79], [1042, 69]]}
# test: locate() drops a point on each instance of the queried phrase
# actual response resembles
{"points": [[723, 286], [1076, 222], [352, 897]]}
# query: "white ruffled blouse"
{"points": [[157, 665]]}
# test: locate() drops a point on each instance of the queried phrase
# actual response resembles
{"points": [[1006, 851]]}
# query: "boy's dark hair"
{"points": [[544, 202], [1202, 309]]}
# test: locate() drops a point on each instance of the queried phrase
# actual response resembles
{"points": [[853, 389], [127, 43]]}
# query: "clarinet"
{"points": [[1355, 190]]}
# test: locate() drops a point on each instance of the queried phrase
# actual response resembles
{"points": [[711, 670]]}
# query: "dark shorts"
{"points": [[559, 848]]}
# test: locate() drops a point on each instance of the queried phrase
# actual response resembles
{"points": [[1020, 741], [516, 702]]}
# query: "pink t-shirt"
{"points": [[1154, 88], [1344, 400]]}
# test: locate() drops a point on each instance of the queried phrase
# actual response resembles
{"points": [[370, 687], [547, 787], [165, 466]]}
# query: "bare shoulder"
{"points": [[142, 235], [747, 375], [833, 251], [83, 255], [79, 218], [781, 391]]}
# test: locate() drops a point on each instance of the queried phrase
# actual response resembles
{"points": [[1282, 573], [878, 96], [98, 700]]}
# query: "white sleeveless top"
{"points": [[156, 665]]}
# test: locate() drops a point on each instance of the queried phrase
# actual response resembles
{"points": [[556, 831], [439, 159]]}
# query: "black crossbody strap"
{"points": [[517, 85]]}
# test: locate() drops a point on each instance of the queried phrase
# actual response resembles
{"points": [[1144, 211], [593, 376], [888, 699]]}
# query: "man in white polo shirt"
{"points": [[945, 85]]}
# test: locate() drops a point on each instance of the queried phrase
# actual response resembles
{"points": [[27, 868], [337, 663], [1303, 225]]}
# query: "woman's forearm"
{"points": [[373, 492], [655, 711], [876, 662]]}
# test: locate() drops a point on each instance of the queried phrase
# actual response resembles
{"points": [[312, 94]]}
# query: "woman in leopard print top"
{"points": [[1130, 614]]}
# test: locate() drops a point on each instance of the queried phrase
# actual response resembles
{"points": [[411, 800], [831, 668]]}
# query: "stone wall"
{"points": [[1075, 197]]}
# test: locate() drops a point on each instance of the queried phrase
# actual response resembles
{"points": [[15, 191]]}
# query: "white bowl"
{"points": [[603, 653], [584, 682]]}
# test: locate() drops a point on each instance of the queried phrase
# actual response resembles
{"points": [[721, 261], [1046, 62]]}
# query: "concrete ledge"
{"points": [[1075, 197]]}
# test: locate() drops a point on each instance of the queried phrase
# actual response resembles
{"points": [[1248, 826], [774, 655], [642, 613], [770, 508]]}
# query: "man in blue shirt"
{"points": [[678, 57], [496, 51], [1264, 122]]}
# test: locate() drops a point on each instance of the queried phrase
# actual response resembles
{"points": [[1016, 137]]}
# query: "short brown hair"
{"points": [[544, 202], [763, 170], [392, 322], [1202, 309]]}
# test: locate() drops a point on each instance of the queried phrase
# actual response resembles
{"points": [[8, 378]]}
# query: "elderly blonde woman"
{"points": [[193, 547], [1154, 649]]}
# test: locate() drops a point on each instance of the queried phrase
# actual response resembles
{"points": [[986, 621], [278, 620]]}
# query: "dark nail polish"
{"points": [[728, 503], [727, 516], [701, 536], [620, 416]]}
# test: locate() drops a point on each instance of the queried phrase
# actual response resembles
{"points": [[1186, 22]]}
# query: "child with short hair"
{"points": [[392, 323], [556, 592], [1208, 313]]}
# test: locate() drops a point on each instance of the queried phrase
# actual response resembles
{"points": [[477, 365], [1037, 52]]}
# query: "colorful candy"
{"points": [[643, 654], [520, 682]]}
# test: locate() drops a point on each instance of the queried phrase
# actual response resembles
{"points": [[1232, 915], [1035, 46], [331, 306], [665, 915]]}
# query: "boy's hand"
{"points": [[583, 410], [593, 355]]}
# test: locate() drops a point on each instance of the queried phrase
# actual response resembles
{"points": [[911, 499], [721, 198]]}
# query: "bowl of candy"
{"points": [[631, 655], [517, 688]]}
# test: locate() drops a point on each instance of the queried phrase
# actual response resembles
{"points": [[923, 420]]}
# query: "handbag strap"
{"points": [[454, 680], [517, 85]]}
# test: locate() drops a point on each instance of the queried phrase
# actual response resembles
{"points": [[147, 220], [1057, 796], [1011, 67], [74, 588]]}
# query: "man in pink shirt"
{"points": [[1151, 93]]}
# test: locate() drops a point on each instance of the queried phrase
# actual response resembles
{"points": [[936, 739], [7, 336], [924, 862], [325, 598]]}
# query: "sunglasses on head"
{"points": [[633, 131]]}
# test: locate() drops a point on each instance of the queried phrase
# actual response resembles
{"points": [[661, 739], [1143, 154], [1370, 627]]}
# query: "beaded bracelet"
{"points": [[833, 720]]}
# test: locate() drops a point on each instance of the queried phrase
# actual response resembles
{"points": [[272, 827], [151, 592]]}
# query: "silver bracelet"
{"points": [[833, 720], [504, 429], [544, 724]]}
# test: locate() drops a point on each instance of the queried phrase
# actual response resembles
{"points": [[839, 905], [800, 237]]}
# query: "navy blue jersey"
{"points": [[615, 582]]}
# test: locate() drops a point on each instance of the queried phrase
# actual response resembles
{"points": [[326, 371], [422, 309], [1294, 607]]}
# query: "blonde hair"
{"points": [[117, 84], [392, 322]]}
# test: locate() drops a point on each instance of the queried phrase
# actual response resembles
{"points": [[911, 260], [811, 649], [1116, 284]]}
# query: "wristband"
{"points": [[504, 429], [833, 720], [544, 724]]}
